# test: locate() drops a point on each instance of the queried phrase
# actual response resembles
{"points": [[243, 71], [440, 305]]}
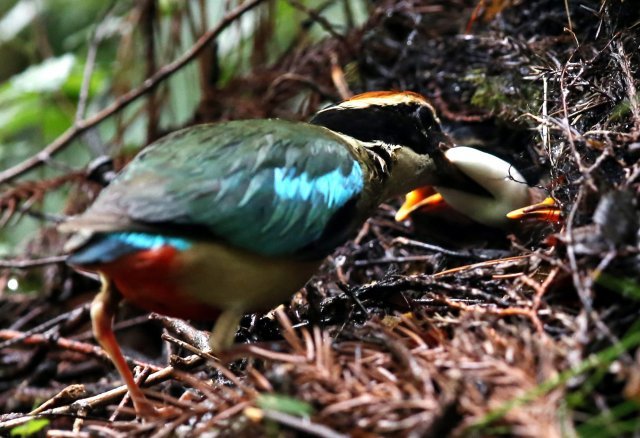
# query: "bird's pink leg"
{"points": [[103, 309]]}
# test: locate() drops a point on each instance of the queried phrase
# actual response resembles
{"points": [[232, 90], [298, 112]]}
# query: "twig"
{"points": [[89, 65], [482, 265], [126, 99], [338, 78], [67, 344], [440, 249], [148, 25], [566, 8], [32, 263], [301, 424], [287, 331], [212, 360], [632, 93], [160, 375], [13, 339], [323, 22], [323, 91]]}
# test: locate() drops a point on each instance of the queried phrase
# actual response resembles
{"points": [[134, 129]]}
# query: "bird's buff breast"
{"points": [[206, 278]]}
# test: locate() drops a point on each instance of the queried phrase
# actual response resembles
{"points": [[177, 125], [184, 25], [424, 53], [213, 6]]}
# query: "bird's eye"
{"points": [[428, 118]]}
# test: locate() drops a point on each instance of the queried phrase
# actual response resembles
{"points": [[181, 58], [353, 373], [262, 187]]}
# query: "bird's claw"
{"points": [[147, 411]]}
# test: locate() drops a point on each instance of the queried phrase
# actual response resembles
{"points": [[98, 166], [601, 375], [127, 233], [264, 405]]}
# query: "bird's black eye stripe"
{"points": [[406, 124]]}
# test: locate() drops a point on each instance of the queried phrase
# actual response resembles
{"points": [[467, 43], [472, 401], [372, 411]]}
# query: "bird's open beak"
{"points": [[545, 211], [419, 199]]}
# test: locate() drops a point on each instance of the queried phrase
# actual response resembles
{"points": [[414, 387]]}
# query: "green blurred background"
{"points": [[44, 47]]}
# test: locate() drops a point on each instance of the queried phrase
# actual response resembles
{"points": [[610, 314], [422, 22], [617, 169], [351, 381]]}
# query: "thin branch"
{"points": [[89, 65], [323, 22], [67, 344], [148, 29], [303, 425], [32, 263]]}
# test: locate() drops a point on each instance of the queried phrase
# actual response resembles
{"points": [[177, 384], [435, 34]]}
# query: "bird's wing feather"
{"points": [[269, 186]]}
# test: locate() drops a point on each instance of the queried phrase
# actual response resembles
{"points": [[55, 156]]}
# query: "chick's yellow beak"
{"points": [[424, 197], [545, 211]]}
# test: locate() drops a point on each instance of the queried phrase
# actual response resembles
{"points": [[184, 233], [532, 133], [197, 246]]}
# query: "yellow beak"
{"points": [[422, 198], [546, 211]]}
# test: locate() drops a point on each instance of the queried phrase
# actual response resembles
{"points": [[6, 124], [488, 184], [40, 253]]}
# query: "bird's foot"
{"points": [[147, 411]]}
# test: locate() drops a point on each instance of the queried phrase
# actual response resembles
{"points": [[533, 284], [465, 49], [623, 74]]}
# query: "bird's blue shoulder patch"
{"points": [[150, 241], [334, 187], [106, 248]]}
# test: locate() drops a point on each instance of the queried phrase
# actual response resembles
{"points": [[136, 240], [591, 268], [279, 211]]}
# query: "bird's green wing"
{"points": [[269, 186]]}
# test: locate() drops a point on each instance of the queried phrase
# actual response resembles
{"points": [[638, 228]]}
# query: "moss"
{"points": [[504, 95]]}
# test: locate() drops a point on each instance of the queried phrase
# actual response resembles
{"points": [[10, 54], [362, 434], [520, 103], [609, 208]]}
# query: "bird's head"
{"points": [[399, 118], [402, 128]]}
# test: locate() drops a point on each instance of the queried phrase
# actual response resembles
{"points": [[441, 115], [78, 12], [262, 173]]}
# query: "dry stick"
{"points": [[323, 22], [32, 263], [540, 290], [323, 91], [214, 362], [566, 8], [301, 424], [632, 93], [66, 395], [69, 434], [90, 63], [121, 102], [97, 400], [148, 25], [482, 265], [227, 413], [67, 344], [139, 379], [338, 78], [12, 339], [565, 121], [86, 79], [287, 331], [573, 263], [170, 427], [435, 248]]}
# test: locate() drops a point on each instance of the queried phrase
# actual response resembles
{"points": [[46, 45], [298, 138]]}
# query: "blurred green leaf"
{"points": [[625, 286], [73, 84], [30, 428], [17, 116], [616, 421], [284, 403], [16, 19], [50, 75]]}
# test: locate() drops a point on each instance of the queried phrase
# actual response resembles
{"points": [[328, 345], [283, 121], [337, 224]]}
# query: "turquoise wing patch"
{"points": [[334, 187]]}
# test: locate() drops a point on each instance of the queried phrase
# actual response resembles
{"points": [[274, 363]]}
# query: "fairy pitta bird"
{"points": [[216, 220]]}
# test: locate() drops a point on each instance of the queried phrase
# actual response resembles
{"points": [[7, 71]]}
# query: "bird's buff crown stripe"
{"points": [[382, 98], [335, 187], [151, 241]]}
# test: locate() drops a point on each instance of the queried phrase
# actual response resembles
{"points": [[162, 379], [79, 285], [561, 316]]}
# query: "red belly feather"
{"points": [[148, 280]]}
